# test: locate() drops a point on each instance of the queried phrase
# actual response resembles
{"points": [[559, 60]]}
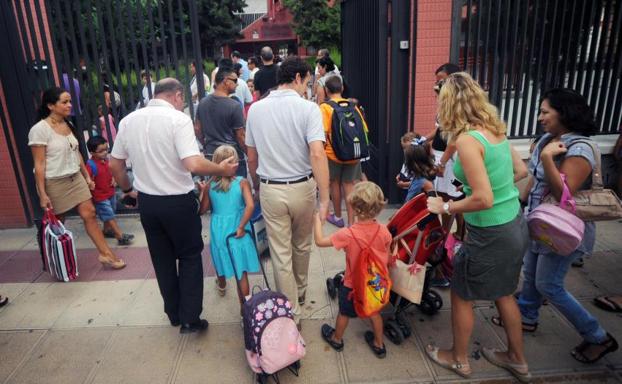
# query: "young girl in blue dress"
{"points": [[231, 202]]}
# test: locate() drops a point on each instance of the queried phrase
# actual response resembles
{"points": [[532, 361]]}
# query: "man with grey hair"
{"points": [[265, 78], [159, 140]]}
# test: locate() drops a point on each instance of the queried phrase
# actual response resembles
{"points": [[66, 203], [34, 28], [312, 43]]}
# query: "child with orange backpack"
{"points": [[366, 283]]}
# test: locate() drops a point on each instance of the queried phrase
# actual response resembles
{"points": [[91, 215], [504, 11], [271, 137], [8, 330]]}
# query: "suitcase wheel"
{"points": [[393, 332]]}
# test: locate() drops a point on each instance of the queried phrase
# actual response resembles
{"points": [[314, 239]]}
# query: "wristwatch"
{"points": [[446, 208]]}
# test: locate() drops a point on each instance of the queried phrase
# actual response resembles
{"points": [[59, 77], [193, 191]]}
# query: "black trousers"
{"points": [[173, 229]]}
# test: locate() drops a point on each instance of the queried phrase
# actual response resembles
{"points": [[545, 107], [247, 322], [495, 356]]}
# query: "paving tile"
{"points": [[147, 308], [138, 265], [317, 304], [64, 357], [16, 239], [39, 305], [12, 291], [21, 267], [612, 323], [214, 357], [5, 255], [437, 330], [602, 273], [14, 346], [139, 355], [403, 363], [101, 303], [321, 364], [548, 349]]}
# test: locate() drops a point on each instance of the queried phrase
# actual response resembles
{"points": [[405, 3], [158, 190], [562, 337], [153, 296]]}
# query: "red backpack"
{"points": [[371, 284]]}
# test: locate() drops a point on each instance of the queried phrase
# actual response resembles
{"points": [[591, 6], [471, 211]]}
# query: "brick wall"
{"points": [[12, 211], [433, 42]]}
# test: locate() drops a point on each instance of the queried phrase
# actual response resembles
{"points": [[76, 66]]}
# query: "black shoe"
{"points": [[199, 326], [174, 322], [126, 239], [301, 299], [578, 263]]}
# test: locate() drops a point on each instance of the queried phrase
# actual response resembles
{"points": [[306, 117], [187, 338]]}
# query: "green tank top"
{"points": [[498, 163]]}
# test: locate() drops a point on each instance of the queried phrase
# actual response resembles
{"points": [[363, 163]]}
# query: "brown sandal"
{"points": [[527, 327]]}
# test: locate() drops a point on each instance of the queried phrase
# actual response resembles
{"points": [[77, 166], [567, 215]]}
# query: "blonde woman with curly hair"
{"points": [[488, 265], [231, 202]]}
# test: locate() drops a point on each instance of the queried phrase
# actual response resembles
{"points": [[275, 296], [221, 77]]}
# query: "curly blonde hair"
{"points": [[367, 200], [223, 152], [463, 104]]}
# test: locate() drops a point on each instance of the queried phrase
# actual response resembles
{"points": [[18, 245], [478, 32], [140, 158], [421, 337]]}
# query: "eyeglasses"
{"points": [[235, 80]]}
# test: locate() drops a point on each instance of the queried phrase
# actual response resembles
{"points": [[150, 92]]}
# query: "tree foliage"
{"points": [[316, 23]]}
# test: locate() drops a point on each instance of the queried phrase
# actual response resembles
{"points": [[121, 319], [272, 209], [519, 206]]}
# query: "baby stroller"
{"points": [[419, 237]]}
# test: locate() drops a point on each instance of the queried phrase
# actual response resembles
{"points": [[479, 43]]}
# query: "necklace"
{"points": [[54, 121]]}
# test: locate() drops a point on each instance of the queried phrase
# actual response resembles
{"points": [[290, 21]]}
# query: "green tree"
{"points": [[316, 23]]}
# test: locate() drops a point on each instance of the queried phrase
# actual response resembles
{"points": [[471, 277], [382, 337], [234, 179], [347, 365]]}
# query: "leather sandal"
{"points": [[327, 335], [527, 327], [463, 370], [520, 371], [579, 351], [114, 264]]}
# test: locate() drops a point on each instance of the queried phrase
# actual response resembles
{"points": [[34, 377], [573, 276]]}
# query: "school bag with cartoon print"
{"points": [[271, 337], [371, 283]]}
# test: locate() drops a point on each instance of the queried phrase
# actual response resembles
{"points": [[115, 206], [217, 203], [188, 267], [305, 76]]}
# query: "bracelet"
{"points": [[130, 189]]}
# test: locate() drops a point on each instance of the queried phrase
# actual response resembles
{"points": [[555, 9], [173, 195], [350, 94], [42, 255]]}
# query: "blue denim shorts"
{"points": [[346, 305], [105, 209]]}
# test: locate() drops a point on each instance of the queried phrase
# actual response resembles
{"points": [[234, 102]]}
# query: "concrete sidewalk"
{"points": [[109, 326]]}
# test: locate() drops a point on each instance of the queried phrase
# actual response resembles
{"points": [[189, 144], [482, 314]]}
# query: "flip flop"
{"points": [[327, 335], [579, 351], [380, 353], [463, 370], [605, 302], [527, 327], [518, 370]]}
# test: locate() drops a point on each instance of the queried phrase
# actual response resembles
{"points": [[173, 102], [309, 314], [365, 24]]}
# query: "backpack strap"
{"points": [[597, 178], [91, 164], [370, 241]]}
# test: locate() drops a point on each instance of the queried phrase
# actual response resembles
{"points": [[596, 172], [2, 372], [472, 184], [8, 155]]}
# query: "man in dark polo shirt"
{"points": [[265, 78], [220, 119]]}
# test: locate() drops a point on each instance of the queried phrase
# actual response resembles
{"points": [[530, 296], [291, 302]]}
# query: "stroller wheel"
{"points": [[331, 288], [393, 332], [402, 321], [431, 303]]}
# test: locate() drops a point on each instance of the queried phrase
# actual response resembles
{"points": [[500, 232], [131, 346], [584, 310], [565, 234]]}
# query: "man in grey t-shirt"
{"points": [[220, 119]]}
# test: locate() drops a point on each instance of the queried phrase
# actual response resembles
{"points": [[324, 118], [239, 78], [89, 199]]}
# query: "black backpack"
{"points": [[348, 137]]}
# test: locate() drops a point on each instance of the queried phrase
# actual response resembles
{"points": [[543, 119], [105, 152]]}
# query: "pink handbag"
{"points": [[557, 226]]}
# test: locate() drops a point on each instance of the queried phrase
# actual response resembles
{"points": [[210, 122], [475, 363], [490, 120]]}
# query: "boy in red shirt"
{"points": [[367, 201], [104, 194]]}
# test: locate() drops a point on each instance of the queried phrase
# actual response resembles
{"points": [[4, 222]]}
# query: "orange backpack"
{"points": [[371, 284]]}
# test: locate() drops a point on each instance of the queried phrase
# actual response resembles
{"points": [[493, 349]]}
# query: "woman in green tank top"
{"points": [[487, 267]]}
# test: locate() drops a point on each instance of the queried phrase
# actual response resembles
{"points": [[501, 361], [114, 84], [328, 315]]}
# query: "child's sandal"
{"points": [[327, 335], [221, 290], [380, 353]]}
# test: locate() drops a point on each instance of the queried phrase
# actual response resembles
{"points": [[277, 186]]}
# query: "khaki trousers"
{"points": [[288, 213]]}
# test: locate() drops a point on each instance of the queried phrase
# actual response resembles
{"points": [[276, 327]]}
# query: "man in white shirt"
{"points": [[159, 140], [194, 90], [286, 157], [148, 88], [237, 58], [241, 91]]}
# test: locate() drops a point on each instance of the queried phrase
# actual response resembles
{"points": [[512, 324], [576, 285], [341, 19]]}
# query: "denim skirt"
{"points": [[488, 265]]}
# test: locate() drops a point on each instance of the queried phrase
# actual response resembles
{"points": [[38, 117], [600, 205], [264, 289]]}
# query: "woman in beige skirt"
{"points": [[62, 180]]}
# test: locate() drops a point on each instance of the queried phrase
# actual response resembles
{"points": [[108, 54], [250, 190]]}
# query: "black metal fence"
{"points": [[517, 49], [97, 49]]}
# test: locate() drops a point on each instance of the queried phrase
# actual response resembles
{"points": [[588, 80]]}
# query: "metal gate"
{"points": [[377, 70], [97, 49], [517, 49]]}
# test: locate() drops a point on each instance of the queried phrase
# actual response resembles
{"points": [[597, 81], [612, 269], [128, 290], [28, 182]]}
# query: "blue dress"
{"points": [[227, 210]]}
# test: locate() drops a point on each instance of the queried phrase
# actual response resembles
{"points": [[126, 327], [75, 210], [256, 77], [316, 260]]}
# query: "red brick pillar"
{"points": [[433, 43], [12, 211]]}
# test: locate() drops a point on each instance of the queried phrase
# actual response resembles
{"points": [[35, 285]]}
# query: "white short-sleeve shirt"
{"points": [[280, 127], [156, 139], [62, 157]]}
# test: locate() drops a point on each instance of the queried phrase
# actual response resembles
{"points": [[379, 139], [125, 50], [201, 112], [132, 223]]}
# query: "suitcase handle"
{"points": [[263, 272]]}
